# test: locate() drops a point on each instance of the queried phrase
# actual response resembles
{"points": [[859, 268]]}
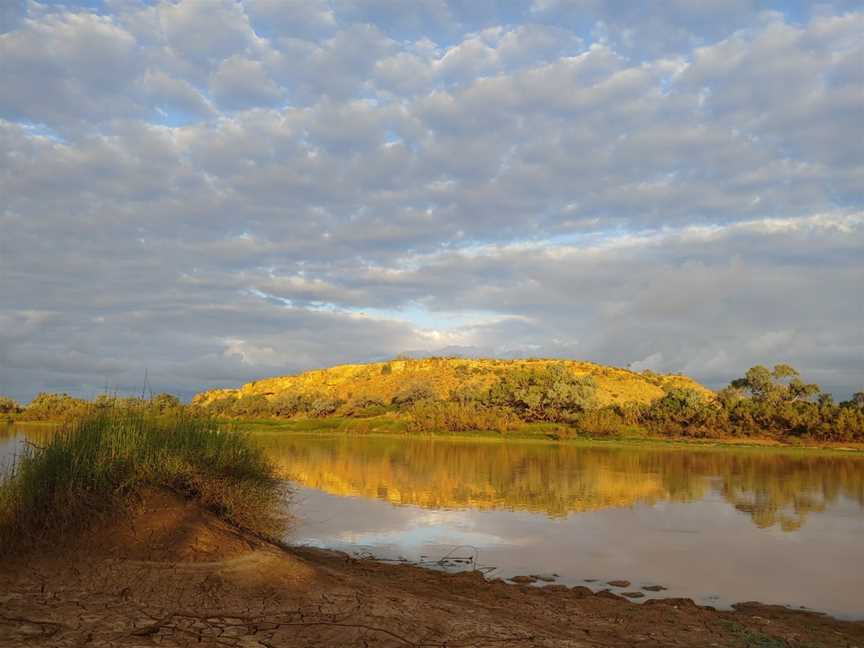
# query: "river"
{"points": [[716, 525]]}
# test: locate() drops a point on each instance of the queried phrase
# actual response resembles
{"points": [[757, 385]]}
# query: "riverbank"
{"points": [[388, 426], [170, 573]]}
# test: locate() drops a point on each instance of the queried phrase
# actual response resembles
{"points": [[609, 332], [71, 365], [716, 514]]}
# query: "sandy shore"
{"points": [[171, 574]]}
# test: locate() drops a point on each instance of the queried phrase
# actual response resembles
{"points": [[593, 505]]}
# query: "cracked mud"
{"points": [[173, 575]]}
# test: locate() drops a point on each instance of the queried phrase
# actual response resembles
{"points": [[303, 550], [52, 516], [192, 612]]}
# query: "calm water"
{"points": [[12, 440], [718, 526]]}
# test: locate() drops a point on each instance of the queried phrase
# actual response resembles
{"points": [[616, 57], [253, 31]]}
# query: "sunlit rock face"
{"points": [[384, 380]]}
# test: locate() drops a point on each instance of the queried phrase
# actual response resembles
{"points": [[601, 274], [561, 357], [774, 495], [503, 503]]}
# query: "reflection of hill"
{"points": [[772, 488]]}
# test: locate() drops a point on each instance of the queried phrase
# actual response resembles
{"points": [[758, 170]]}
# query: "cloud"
{"points": [[216, 193], [292, 17], [243, 83], [66, 66]]}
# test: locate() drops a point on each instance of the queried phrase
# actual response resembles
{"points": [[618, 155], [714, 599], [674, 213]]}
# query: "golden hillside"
{"points": [[383, 380]]}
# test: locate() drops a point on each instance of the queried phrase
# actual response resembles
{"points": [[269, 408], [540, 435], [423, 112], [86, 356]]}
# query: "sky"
{"points": [[214, 191]]}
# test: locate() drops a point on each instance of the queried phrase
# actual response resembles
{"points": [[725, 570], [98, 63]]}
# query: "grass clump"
{"points": [[98, 463]]}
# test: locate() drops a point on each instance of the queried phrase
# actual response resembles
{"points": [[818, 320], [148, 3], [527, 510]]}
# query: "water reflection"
{"points": [[774, 489], [718, 526], [15, 436]]}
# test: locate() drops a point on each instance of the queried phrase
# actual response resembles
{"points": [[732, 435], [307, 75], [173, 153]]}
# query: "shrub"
{"points": [[289, 404], [413, 393], [252, 405], [437, 416], [221, 406], [365, 407], [551, 393], [165, 403], [324, 406], [467, 394], [684, 412], [54, 407], [602, 422], [9, 406]]}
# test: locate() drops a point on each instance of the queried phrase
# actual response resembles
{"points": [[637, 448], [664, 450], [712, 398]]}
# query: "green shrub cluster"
{"points": [[365, 407], [547, 394], [54, 407], [456, 416], [550, 393], [284, 405], [764, 402]]}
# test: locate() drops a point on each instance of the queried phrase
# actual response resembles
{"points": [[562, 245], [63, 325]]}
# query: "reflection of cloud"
{"points": [[421, 534]]}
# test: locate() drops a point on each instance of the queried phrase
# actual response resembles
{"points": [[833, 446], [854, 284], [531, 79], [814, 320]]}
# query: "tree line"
{"points": [[764, 402]]}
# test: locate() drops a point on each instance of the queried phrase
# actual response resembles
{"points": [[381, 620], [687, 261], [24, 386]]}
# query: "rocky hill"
{"points": [[443, 376]]}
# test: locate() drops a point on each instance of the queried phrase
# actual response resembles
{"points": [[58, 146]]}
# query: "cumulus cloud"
{"points": [[219, 191]]}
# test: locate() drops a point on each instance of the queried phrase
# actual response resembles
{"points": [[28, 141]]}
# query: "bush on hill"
{"points": [[413, 393], [9, 406], [454, 416], [365, 407], [550, 393]]}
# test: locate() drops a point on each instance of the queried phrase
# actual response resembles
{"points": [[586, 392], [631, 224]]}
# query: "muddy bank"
{"points": [[172, 575]]}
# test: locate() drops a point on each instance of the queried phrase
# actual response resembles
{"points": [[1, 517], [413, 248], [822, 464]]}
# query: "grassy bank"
{"points": [[391, 426], [99, 463]]}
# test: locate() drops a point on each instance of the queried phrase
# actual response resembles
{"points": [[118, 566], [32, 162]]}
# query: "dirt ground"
{"points": [[173, 575]]}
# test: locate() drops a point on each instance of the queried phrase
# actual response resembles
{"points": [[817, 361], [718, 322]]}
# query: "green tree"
{"points": [[782, 384]]}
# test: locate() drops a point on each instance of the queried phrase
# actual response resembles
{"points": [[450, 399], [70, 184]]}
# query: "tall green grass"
{"points": [[100, 462]]}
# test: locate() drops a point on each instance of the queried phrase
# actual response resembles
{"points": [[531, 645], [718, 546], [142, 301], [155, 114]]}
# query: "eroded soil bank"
{"points": [[173, 575]]}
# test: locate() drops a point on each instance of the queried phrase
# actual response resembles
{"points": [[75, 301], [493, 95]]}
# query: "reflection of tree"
{"points": [[773, 488], [7, 430], [784, 490]]}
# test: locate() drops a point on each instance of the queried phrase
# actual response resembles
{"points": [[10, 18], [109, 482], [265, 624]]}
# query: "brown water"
{"points": [[14, 437], [719, 526]]}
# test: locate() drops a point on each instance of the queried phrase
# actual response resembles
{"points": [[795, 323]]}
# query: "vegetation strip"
{"points": [[531, 398]]}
